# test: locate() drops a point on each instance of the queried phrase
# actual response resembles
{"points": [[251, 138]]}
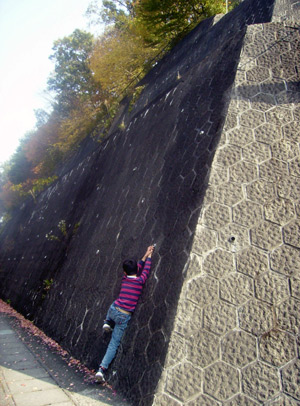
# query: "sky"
{"points": [[28, 29]]}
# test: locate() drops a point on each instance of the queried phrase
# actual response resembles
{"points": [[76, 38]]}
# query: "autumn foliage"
{"points": [[90, 77]]}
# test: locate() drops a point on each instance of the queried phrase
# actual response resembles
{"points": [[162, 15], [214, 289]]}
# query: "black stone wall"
{"points": [[143, 184]]}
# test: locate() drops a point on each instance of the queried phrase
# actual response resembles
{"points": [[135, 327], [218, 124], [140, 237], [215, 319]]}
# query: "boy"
{"points": [[119, 313]]}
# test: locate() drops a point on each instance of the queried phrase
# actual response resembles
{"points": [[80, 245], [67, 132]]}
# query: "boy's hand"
{"points": [[149, 252]]}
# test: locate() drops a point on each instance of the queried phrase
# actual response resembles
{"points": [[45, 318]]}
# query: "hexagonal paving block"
{"points": [[209, 195], [245, 91], [240, 138], [286, 260], [219, 318], [243, 172], [291, 233], [253, 51], [252, 262], [192, 381], [238, 348], [228, 155], [256, 317], [176, 350], [256, 152], [233, 237], [247, 213], [295, 167], [285, 150], [241, 400], [216, 216], [194, 267], [240, 76], [286, 69], [273, 169], [269, 59], [284, 400], [229, 193], [268, 133], [260, 381], [234, 105], [260, 191], [266, 236], [268, 35], [271, 288], [291, 131], [188, 318], [203, 290], [236, 288], [221, 381], [296, 112], [275, 86], [263, 102], [219, 263], [285, 98], [295, 287], [288, 315], [258, 74], [252, 118], [289, 188], [163, 400], [279, 116], [203, 348], [277, 347], [203, 401], [291, 379], [230, 121], [218, 175], [204, 240]]}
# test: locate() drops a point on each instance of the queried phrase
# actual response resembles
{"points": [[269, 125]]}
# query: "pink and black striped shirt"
{"points": [[132, 286]]}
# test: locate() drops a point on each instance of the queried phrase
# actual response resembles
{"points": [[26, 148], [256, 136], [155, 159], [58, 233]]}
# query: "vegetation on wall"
{"points": [[90, 77]]}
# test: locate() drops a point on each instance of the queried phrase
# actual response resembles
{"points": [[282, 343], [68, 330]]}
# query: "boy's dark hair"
{"points": [[130, 266]]}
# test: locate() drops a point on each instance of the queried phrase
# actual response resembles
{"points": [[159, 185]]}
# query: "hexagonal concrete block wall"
{"points": [[236, 336]]}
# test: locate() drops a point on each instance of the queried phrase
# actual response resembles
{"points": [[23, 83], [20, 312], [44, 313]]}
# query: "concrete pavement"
{"points": [[32, 374]]}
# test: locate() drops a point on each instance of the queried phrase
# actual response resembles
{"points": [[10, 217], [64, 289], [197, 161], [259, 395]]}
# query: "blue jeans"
{"points": [[121, 320]]}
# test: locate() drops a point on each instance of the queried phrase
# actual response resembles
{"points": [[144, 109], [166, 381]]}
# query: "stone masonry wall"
{"points": [[208, 152], [236, 335]]}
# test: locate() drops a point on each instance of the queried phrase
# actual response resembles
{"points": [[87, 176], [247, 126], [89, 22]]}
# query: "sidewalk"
{"points": [[31, 374]]}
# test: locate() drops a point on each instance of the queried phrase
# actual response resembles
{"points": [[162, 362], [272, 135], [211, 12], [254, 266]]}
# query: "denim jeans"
{"points": [[121, 320]]}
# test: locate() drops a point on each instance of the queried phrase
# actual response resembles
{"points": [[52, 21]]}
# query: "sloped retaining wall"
{"points": [[149, 182], [236, 334]]}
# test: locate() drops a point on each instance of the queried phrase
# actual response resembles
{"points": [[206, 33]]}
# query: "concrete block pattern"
{"points": [[248, 290], [206, 165]]}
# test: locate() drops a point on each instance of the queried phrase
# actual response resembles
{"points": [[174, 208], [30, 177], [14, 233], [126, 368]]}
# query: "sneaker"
{"points": [[108, 326], [100, 375]]}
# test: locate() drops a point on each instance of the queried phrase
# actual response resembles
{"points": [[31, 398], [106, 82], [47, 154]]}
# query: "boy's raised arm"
{"points": [[148, 253]]}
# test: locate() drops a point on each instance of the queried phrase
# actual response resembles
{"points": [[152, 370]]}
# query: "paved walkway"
{"points": [[32, 374]]}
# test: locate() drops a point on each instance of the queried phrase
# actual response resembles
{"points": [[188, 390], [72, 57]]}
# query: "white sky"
{"points": [[28, 29]]}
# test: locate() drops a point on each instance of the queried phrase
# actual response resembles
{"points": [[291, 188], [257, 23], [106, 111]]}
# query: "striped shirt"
{"points": [[132, 286]]}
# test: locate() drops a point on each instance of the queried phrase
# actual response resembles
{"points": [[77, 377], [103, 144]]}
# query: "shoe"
{"points": [[100, 376], [107, 328]]}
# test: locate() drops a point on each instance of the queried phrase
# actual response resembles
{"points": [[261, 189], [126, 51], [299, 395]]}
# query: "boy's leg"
{"points": [[121, 321], [114, 343]]}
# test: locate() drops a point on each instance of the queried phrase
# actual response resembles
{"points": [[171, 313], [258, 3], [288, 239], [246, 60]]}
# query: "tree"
{"points": [[19, 167], [72, 77], [111, 12], [119, 58], [167, 20], [41, 117]]}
